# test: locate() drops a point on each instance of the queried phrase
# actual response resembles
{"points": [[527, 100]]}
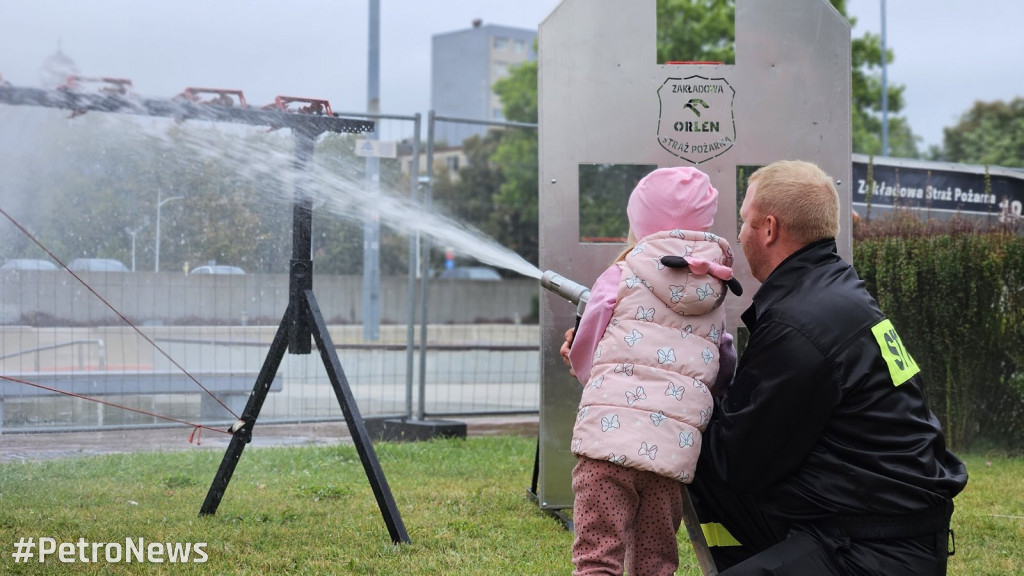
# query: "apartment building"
{"points": [[465, 64]]}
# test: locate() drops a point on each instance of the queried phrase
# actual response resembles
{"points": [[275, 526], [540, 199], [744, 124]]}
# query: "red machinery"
{"points": [[118, 86], [315, 106], [222, 97]]}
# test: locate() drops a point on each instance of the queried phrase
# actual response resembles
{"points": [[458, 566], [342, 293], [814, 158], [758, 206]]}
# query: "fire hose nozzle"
{"points": [[571, 291]]}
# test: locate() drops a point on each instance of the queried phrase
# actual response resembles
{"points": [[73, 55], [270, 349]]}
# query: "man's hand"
{"points": [[564, 350]]}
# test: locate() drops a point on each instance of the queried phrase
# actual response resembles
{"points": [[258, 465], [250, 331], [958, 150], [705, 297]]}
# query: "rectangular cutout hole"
{"points": [[604, 193], [696, 32]]}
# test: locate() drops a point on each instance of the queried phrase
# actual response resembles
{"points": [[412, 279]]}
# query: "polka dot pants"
{"points": [[624, 519]]}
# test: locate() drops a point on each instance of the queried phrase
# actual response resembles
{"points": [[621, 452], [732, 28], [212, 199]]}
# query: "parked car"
{"points": [[97, 265], [471, 273], [28, 264], [217, 269]]}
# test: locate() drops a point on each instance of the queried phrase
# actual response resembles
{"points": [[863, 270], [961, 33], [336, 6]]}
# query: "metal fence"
{"points": [[125, 349], [510, 353]]}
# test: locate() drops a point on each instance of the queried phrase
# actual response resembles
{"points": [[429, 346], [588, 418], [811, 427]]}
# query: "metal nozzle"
{"points": [[571, 291]]}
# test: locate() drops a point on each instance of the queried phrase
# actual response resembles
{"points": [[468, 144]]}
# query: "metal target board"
{"points": [[605, 102]]}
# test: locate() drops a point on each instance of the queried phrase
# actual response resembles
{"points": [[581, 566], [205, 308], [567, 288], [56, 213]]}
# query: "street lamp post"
{"points": [[885, 90], [133, 233], [159, 204]]}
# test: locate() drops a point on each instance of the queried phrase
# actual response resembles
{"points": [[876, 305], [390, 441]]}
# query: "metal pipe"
{"points": [[371, 225], [574, 292], [159, 204], [410, 338], [428, 200]]}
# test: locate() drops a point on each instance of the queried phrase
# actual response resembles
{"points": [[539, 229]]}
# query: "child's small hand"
{"points": [[564, 350], [726, 365]]}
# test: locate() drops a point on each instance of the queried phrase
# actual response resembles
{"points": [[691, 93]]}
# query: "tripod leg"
{"points": [[242, 436], [356, 427]]}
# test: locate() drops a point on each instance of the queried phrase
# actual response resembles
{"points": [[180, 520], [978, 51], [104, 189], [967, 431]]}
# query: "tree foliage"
{"points": [[468, 196], [514, 220], [990, 133], [515, 217]]}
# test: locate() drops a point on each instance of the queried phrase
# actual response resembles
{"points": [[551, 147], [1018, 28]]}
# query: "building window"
{"points": [[500, 69], [453, 163], [496, 114], [500, 43], [519, 46]]}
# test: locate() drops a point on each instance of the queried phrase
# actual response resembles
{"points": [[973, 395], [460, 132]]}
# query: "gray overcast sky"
{"points": [[949, 53]]}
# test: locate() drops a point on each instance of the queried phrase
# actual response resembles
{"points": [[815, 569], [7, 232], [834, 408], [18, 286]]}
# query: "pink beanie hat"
{"points": [[672, 198]]}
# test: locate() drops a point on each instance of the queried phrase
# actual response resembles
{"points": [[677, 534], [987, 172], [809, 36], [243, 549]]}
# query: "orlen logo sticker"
{"points": [[696, 120]]}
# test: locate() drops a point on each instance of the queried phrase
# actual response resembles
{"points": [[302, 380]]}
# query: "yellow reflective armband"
{"points": [[901, 366]]}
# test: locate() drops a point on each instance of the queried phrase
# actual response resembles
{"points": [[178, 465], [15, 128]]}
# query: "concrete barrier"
{"points": [[33, 297]]}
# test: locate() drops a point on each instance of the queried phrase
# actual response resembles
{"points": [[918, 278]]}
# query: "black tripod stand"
{"points": [[303, 320]]}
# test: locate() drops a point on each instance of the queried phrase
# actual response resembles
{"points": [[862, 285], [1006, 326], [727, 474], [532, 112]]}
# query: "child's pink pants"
{"points": [[624, 518]]}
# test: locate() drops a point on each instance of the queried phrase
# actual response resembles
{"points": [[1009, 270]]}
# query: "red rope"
{"points": [[199, 430], [115, 311], [194, 426]]}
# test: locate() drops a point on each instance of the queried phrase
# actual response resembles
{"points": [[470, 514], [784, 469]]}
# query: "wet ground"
{"points": [[16, 447]]}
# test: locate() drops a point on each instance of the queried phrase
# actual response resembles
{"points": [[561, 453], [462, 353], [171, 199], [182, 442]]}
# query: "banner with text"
{"points": [[916, 185]]}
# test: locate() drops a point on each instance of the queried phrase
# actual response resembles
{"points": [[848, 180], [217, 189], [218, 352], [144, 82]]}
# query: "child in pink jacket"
{"points": [[646, 351]]}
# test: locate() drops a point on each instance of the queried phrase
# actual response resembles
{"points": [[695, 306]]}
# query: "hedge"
{"points": [[955, 292]]}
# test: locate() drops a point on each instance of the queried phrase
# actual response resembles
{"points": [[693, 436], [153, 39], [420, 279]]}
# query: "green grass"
{"points": [[310, 510]]}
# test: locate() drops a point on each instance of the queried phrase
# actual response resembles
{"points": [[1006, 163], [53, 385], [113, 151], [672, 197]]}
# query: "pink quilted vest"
{"points": [[647, 401]]}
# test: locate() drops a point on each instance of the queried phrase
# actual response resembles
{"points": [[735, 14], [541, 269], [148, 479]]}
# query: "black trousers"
{"points": [[769, 546]]}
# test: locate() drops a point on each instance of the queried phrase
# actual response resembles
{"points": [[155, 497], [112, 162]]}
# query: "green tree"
{"points": [[468, 195], [990, 133], [866, 99], [514, 220]]}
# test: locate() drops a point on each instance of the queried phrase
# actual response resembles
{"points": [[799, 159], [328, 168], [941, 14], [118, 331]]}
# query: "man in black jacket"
{"points": [[822, 456]]}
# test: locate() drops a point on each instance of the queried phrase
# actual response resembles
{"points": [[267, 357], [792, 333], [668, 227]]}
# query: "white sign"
{"points": [[377, 148]]}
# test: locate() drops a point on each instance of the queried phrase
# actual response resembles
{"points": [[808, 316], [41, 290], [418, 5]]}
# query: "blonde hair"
{"points": [[631, 242], [802, 198]]}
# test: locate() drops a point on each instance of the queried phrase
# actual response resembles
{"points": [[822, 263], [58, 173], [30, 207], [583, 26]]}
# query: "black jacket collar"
{"points": [[786, 275]]}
